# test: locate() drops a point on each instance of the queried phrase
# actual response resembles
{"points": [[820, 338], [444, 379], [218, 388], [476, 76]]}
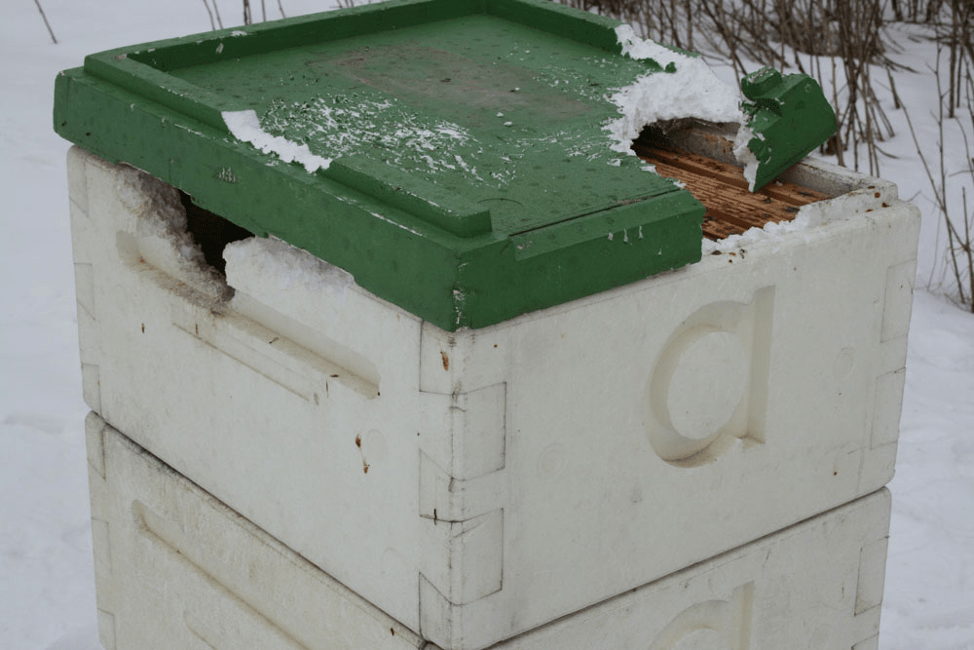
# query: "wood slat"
{"points": [[726, 173], [727, 203], [714, 229], [721, 187]]}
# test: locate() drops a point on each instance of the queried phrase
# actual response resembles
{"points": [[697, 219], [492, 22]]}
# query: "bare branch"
{"points": [[208, 11], [47, 24]]}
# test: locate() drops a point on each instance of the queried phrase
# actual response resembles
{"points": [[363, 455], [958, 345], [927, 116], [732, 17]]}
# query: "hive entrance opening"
{"points": [[721, 187], [211, 232]]}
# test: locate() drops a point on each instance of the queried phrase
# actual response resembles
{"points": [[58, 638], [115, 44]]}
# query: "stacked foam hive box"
{"points": [[692, 460]]}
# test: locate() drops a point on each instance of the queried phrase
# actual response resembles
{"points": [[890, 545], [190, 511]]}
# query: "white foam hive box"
{"points": [[176, 568], [477, 484]]}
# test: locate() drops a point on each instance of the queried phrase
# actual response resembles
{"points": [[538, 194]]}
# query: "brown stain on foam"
{"points": [[365, 463]]}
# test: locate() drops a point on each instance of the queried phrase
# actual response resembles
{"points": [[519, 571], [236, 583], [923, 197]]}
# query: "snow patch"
{"points": [[284, 266], [750, 237], [637, 47], [852, 205], [342, 126], [692, 91], [245, 126], [744, 154], [162, 230]]}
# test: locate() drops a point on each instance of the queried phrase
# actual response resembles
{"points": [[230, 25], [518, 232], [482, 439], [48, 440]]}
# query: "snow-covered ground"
{"points": [[46, 581]]}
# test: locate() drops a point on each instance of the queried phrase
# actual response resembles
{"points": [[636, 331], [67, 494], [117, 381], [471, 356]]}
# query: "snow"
{"points": [[743, 154], [162, 230], [245, 126], [692, 91], [344, 128], [46, 576], [285, 266], [846, 206]]}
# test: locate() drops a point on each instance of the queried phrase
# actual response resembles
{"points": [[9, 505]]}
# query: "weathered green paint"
{"points": [[789, 117], [428, 201], [471, 176]]}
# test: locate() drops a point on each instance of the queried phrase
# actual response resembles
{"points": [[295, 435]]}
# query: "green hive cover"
{"points": [[450, 154]]}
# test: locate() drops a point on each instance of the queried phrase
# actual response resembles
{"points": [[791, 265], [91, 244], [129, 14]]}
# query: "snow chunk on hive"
{"points": [[280, 267], [847, 206], [692, 91], [162, 231], [245, 126], [744, 154]]}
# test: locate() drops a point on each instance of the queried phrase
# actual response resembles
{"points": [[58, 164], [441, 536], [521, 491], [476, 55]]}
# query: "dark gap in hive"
{"points": [[211, 232]]}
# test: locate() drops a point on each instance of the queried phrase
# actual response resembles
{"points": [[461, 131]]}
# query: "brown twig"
{"points": [[47, 24], [210, 13]]}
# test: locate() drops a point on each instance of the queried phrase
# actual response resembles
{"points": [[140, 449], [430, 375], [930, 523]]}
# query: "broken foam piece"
{"points": [[787, 117]]}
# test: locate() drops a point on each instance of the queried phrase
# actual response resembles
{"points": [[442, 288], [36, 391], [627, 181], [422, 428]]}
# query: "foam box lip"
{"points": [[490, 481]]}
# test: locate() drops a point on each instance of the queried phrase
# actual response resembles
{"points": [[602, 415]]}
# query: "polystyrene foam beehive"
{"points": [[479, 483], [175, 568]]}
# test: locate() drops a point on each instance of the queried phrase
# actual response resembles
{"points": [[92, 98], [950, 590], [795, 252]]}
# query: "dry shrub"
{"points": [[840, 41]]}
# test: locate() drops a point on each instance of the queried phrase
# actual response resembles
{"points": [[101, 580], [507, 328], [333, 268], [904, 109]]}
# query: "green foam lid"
{"points": [[789, 117], [450, 154]]}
